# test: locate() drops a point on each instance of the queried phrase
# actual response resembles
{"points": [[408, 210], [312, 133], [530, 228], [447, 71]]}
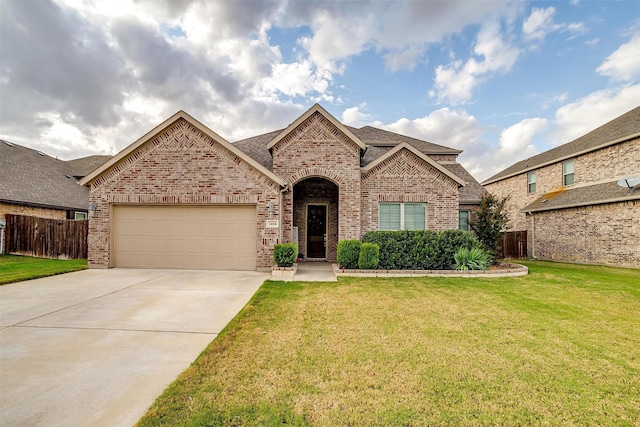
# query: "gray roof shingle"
{"points": [[30, 177], [378, 142], [619, 128], [594, 194]]}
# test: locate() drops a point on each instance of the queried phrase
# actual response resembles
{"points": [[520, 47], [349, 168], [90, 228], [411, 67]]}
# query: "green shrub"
{"points": [[420, 249], [348, 253], [284, 254], [472, 259], [369, 256]]}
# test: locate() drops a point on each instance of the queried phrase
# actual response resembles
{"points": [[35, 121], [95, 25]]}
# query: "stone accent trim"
{"points": [[513, 270]]}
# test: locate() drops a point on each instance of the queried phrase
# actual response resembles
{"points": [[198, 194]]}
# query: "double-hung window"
{"points": [[567, 173], [531, 182], [463, 220], [402, 216]]}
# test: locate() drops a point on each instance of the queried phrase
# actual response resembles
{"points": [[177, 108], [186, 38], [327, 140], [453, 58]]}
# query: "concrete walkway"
{"points": [[315, 272], [96, 347]]}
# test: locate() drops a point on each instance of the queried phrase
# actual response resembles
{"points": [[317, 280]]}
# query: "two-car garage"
{"points": [[184, 237]]}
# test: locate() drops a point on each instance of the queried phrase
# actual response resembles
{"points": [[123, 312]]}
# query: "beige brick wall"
{"points": [[8, 208], [600, 234], [316, 148], [316, 191], [180, 166], [605, 164], [406, 178], [608, 163]]}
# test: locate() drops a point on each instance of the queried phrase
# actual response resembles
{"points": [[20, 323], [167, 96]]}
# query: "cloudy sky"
{"points": [[501, 80]]}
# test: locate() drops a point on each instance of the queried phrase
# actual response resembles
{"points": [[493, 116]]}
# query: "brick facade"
{"points": [[316, 191], [553, 240], [316, 161], [317, 149], [404, 177], [181, 166], [599, 234], [9, 208]]}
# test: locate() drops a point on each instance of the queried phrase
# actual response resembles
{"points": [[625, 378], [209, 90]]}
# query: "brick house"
{"points": [[183, 197], [35, 184], [568, 200]]}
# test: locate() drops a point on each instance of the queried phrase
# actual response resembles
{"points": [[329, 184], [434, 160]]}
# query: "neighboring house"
{"points": [[34, 184], [183, 197], [568, 200]]}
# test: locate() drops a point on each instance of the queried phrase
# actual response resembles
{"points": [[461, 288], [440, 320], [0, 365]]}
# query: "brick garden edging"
{"points": [[512, 270]]}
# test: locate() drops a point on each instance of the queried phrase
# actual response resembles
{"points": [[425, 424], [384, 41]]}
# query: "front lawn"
{"points": [[15, 268], [560, 346]]}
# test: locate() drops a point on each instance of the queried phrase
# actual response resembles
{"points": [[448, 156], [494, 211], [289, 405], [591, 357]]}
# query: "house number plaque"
{"points": [[272, 223]]}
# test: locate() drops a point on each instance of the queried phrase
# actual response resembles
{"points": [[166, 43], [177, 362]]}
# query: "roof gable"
{"points": [[311, 111], [418, 153], [620, 129], [180, 115]]}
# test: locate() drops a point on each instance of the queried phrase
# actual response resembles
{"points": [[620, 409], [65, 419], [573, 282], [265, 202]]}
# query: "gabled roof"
{"points": [[587, 195], [30, 177], [382, 138], [164, 125], [618, 130], [420, 154], [377, 142], [317, 109]]}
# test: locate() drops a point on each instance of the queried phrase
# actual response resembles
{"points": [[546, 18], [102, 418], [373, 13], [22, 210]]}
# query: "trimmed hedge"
{"points": [[420, 249], [284, 254], [348, 253], [369, 256]]}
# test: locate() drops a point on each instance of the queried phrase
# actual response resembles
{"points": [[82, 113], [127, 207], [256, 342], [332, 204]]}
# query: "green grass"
{"points": [[15, 268], [560, 346]]}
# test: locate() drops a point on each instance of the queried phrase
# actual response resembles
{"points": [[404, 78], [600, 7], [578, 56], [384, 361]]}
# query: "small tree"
{"points": [[491, 222]]}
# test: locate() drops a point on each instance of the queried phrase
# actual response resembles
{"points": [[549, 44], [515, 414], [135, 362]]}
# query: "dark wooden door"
{"points": [[316, 231]]}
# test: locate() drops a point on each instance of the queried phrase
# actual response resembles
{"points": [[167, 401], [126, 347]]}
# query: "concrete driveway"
{"points": [[96, 347]]}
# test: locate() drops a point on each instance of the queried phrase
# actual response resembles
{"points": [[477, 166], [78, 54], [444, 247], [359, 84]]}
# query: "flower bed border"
{"points": [[512, 270]]}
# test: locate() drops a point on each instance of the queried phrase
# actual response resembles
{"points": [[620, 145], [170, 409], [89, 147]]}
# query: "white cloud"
{"points": [[355, 116], [515, 141], [437, 128], [624, 63], [455, 82], [297, 79], [582, 116], [539, 24], [404, 59]]}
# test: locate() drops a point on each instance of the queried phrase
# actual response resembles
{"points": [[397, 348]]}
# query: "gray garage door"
{"points": [[185, 237]]}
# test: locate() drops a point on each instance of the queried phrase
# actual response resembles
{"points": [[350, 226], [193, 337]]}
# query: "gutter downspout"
{"points": [[533, 235]]}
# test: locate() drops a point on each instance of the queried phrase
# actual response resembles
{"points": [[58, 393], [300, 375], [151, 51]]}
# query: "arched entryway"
{"points": [[315, 218]]}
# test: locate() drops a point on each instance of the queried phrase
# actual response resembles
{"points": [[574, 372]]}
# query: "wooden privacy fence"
{"points": [[513, 245], [47, 238]]}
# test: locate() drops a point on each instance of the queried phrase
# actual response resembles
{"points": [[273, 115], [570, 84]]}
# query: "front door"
{"points": [[316, 231]]}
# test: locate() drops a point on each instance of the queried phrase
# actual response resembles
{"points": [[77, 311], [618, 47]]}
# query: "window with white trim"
{"points": [[80, 216], [463, 220], [531, 182], [567, 173], [402, 216]]}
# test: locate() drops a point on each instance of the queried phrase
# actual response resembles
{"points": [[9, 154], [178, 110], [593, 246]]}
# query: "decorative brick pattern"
{"points": [[317, 149], [181, 166], [576, 244], [404, 177]]}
